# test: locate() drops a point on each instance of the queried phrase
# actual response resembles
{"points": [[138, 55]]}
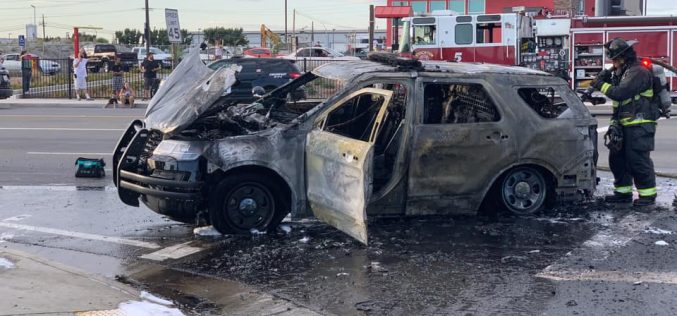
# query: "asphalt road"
{"points": [[39, 146]]}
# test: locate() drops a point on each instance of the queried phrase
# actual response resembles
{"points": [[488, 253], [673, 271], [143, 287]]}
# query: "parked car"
{"points": [[5, 87], [318, 53], [402, 137], [101, 55], [258, 52], [12, 63], [268, 73], [164, 58]]}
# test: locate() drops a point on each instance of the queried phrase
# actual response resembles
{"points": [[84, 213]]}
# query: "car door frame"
{"points": [[442, 193], [338, 170]]}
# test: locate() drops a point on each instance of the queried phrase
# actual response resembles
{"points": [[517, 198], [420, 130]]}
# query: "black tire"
{"points": [[243, 202], [523, 190]]}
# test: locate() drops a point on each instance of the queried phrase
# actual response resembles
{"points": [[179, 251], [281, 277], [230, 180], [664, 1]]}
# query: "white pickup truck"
{"points": [[164, 58]]}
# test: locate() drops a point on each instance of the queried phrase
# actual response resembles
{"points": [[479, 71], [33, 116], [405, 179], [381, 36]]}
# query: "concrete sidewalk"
{"points": [[18, 102], [32, 286]]}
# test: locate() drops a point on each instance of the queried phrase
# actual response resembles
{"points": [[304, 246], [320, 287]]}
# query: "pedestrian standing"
{"points": [[218, 50], [633, 123], [117, 77], [80, 74], [26, 70], [150, 67]]}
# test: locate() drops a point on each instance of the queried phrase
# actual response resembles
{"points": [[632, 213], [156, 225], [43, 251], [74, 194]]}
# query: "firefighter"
{"points": [[633, 123]]}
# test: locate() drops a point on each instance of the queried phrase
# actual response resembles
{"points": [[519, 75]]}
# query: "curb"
{"points": [[670, 175], [82, 105]]}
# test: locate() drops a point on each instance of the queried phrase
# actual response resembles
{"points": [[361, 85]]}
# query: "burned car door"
{"points": [[339, 153], [461, 142]]}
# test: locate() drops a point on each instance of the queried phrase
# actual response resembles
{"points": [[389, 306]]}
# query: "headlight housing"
{"points": [[179, 150]]}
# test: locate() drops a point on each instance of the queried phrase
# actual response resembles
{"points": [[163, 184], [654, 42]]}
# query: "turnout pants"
{"points": [[633, 162]]}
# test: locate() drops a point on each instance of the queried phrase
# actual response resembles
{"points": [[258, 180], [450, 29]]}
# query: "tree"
{"points": [[230, 36], [128, 36], [101, 40]]}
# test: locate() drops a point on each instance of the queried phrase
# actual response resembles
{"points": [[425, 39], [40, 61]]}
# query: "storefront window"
{"points": [[457, 6], [476, 6], [400, 3], [419, 6], [438, 5]]}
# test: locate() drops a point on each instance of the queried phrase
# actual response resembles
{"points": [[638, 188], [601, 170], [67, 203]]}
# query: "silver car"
{"points": [[399, 137]]}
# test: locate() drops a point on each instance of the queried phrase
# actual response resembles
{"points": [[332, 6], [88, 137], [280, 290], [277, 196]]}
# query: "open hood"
{"points": [[188, 92]]}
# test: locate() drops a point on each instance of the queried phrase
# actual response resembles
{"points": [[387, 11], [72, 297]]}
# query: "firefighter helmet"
{"points": [[618, 47]]}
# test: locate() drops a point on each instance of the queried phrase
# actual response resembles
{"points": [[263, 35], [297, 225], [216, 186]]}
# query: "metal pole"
{"points": [[286, 36], [147, 29], [35, 25], [293, 31], [371, 28]]}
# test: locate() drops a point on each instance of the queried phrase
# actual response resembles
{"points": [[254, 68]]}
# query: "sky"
{"points": [[113, 15]]}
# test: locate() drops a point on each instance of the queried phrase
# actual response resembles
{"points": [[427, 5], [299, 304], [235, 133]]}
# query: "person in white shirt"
{"points": [[80, 74]]}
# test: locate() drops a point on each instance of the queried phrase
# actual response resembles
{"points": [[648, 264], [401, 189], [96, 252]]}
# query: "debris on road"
{"points": [[286, 229], [154, 299], [507, 259], [534, 251], [305, 239], [661, 243], [149, 305], [256, 232]]}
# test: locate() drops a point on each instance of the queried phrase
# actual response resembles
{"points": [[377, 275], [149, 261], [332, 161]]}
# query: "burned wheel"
{"points": [[245, 202], [524, 190]]}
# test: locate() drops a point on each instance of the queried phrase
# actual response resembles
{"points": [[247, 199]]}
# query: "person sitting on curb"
{"points": [[126, 95], [116, 70]]}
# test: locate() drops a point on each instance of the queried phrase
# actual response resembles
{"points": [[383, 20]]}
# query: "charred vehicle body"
{"points": [[400, 137]]}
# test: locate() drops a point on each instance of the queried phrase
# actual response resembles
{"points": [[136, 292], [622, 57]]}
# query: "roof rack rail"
{"points": [[391, 59]]}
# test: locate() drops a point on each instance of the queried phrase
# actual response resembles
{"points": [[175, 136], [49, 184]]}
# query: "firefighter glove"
{"points": [[613, 139]]}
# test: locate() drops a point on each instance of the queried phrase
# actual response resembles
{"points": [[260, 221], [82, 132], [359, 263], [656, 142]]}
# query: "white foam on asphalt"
{"points": [[658, 231], [6, 236], [661, 243], [16, 218], [145, 308], [154, 299], [6, 264], [54, 231], [206, 231]]}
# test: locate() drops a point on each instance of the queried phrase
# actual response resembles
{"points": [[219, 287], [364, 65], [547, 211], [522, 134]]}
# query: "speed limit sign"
{"points": [[173, 28]]}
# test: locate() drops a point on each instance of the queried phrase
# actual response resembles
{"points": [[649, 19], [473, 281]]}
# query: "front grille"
{"points": [[154, 139]]}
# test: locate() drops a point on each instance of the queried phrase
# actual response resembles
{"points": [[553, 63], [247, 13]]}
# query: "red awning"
{"points": [[387, 12]]}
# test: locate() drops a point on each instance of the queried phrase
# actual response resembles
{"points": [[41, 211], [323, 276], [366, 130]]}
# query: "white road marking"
{"points": [[61, 129], [611, 276], [67, 154], [54, 231], [173, 252]]}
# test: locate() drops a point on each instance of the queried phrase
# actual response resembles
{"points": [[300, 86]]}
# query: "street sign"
{"points": [[173, 28], [22, 41]]}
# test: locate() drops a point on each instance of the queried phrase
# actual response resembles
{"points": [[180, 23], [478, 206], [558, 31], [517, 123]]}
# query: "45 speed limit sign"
{"points": [[173, 28]]}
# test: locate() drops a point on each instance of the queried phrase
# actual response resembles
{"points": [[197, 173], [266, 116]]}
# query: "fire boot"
{"points": [[645, 201], [618, 198]]}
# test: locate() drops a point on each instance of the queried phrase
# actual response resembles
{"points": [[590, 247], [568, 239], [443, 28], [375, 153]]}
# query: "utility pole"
{"points": [[286, 36], [371, 27], [147, 30], [293, 31], [44, 37], [312, 33], [35, 25]]}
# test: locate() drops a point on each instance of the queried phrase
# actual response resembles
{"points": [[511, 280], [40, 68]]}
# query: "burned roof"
{"points": [[348, 70]]}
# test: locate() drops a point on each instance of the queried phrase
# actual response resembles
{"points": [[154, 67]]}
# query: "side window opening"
{"points": [[546, 101], [458, 104], [424, 34], [356, 117], [489, 33]]}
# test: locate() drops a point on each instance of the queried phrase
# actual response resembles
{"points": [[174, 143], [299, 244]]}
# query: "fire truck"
{"points": [[567, 47]]}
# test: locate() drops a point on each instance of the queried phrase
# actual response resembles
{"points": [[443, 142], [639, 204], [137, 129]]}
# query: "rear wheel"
{"points": [[524, 190], [245, 202]]}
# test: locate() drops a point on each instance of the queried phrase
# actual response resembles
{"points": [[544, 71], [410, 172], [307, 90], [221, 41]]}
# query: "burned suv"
{"points": [[398, 137]]}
